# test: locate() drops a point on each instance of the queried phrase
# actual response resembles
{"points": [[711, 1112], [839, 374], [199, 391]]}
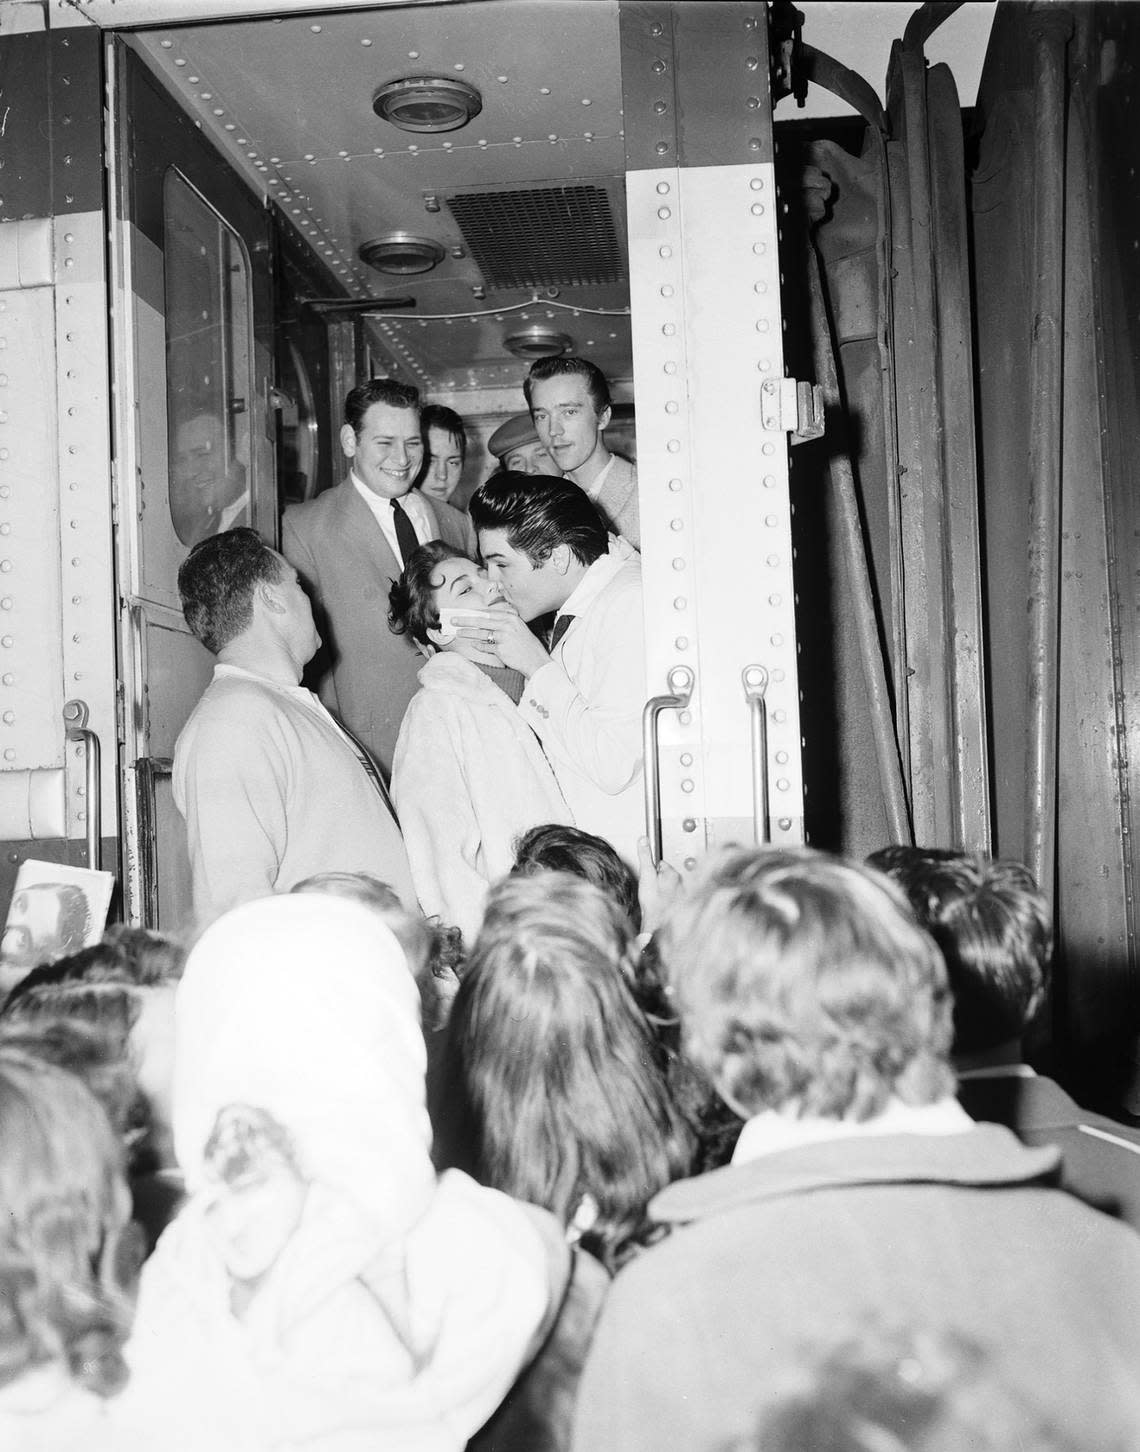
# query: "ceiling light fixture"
{"points": [[401, 255], [427, 103], [538, 342]]}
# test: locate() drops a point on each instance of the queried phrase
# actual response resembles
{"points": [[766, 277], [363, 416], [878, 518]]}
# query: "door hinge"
{"points": [[789, 407]]}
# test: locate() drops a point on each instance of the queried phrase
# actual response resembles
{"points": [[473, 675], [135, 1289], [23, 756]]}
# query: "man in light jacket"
{"points": [[545, 543], [271, 787]]}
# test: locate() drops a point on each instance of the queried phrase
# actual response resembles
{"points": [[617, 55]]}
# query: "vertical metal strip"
{"points": [[705, 295], [83, 395], [1050, 35]]}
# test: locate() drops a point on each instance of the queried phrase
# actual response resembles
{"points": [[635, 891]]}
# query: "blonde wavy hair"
{"points": [[804, 984]]}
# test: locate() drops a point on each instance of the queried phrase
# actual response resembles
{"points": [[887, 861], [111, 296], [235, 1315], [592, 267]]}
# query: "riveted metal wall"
{"points": [[712, 443], [56, 581]]}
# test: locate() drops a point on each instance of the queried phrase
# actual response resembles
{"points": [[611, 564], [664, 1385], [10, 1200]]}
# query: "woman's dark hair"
{"points": [[411, 599], [555, 848], [557, 1067], [97, 1054], [995, 930], [538, 513], [65, 1272], [79, 1012]]}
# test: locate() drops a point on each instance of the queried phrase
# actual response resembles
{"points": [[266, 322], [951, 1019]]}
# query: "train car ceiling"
{"points": [[519, 214], [472, 224]]}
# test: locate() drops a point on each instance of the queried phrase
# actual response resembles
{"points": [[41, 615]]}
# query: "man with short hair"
{"points": [[569, 400], [445, 447], [544, 542], [995, 929], [272, 789], [350, 543], [859, 1194]]}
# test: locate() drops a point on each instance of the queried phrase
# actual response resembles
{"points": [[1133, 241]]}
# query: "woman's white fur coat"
{"points": [[469, 777]]}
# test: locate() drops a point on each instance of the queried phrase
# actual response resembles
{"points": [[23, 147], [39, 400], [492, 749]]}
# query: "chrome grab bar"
{"points": [[755, 679], [75, 717], [680, 681]]}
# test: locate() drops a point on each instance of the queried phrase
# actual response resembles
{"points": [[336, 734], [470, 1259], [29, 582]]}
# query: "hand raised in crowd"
{"points": [[657, 886], [507, 634]]}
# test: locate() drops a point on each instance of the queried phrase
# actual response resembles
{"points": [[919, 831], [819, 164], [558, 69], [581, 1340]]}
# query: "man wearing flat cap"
{"points": [[518, 448]]}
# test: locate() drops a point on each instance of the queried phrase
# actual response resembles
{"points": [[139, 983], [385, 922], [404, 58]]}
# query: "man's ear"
{"points": [[604, 418], [348, 441], [560, 558], [270, 597]]}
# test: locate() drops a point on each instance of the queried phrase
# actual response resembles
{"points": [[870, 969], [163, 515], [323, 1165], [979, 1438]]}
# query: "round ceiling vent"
{"points": [[401, 255], [538, 342], [427, 103]]}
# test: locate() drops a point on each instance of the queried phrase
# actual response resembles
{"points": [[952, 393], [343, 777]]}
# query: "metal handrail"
{"points": [[680, 681], [755, 678], [75, 717]]}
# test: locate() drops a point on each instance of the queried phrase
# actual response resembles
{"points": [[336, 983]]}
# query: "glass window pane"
{"points": [[296, 427], [209, 383]]}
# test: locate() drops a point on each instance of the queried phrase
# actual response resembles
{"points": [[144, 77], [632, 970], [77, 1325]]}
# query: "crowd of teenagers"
{"points": [[751, 1161]]}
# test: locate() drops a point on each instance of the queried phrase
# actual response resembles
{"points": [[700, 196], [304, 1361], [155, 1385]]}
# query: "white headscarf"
{"points": [[303, 1005], [402, 1307]]}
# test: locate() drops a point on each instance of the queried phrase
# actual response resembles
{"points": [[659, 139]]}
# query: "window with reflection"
{"points": [[209, 366], [296, 426]]}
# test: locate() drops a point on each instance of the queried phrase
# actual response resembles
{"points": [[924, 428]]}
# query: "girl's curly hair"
{"points": [[67, 1259]]}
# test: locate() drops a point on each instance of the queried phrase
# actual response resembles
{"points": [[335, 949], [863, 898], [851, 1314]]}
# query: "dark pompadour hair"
{"points": [[539, 513], [596, 385], [217, 581], [994, 928], [411, 610], [378, 390]]}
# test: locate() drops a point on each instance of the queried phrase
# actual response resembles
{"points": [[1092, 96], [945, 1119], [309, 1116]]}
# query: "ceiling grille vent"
{"points": [[549, 237]]}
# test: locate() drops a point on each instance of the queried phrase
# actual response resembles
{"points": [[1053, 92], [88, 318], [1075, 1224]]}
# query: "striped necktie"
{"points": [[375, 776]]}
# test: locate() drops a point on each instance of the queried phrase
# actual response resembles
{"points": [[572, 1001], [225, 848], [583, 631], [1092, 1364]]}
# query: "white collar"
{"points": [[594, 489], [382, 502], [594, 581], [224, 668], [771, 1132]]}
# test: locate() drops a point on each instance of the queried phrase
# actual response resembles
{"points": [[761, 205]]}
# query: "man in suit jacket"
{"points": [[995, 930], [348, 545], [569, 401]]}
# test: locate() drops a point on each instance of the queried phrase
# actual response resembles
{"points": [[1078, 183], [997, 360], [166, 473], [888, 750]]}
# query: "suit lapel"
{"points": [[362, 536]]}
